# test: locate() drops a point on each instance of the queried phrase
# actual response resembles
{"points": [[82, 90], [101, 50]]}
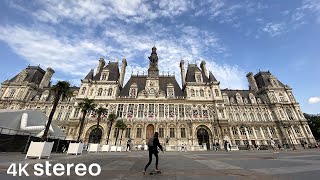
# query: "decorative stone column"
{"points": [[232, 137], [270, 135], [247, 135], [262, 134], [294, 134], [239, 134], [255, 135]]}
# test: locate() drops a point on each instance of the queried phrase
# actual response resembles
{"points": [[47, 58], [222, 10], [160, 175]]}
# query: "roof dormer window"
{"points": [[104, 75], [198, 77]]}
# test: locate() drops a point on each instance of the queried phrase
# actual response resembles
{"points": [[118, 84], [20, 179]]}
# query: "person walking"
{"points": [[129, 145], [153, 144]]}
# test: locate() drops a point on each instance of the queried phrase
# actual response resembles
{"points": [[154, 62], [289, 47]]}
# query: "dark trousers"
{"points": [[150, 160]]}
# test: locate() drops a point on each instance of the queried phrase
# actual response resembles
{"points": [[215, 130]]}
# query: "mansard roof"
{"points": [[232, 92], [263, 79], [192, 69], [34, 74], [140, 80], [114, 73]]}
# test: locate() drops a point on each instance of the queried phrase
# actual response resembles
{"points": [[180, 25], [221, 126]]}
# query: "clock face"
{"points": [[151, 91]]}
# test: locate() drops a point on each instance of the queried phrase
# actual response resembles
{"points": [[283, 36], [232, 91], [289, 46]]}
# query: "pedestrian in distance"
{"points": [[153, 144], [129, 145], [273, 146]]}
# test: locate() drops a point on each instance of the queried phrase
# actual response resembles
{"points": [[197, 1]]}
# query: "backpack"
{"points": [[150, 142]]}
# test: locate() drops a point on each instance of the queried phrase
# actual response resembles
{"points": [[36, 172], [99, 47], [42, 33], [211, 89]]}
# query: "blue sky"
{"points": [[234, 37]]}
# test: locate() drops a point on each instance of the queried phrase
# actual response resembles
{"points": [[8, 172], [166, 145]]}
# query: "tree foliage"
{"points": [[314, 124], [86, 105]]}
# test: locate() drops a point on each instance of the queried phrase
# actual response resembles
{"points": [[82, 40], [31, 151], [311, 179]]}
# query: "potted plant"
{"points": [[43, 148]]}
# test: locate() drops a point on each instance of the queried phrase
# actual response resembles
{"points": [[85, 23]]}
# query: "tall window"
{"points": [[76, 112], [181, 110], [99, 91], [259, 117], [130, 110], [183, 132], [245, 118], [59, 116], [209, 93], [198, 77], [234, 131], [151, 109], [238, 117], [140, 110], [83, 90], [201, 93], [91, 92], [171, 110], [161, 110], [266, 117], [139, 132], [104, 76], [216, 91], [251, 116], [282, 99], [172, 133], [230, 117], [110, 92], [120, 110], [161, 133], [133, 92], [67, 116], [128, 132], [290, 115], [192, 93]]}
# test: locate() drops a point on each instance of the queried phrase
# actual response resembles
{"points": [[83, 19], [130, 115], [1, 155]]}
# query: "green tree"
{"points": [[122, 127], [86, 105], [99, 112], [314, 124], [111, 118], [119, 125], [60, 90]]}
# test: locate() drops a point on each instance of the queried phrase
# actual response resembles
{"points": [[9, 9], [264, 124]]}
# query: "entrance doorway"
{"points": [[203, 137], [95, 136], [150, 131]]}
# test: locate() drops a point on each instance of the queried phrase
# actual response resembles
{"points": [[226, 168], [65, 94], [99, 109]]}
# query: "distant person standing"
{"points": [[153, 144], [129, 145]]}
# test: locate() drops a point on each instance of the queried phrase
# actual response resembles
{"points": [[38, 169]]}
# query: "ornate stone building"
{"points": [[198, 112]]}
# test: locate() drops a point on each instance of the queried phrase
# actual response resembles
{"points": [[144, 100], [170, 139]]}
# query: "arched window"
{"points": [[238, 117], [110, 92], [251, 116], [266, 117], [201, 93], [259, 117], [216, 91], [99, 91], [192, 93], [197, 93], [83, 90], [245, 118], [230, 117], [91, 92]]}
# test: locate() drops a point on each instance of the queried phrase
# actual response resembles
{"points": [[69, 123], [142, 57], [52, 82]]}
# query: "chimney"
{"points": [[252, 82], [204, 68], [183, 74], [101, 65], [123, 72], [46, 78]]}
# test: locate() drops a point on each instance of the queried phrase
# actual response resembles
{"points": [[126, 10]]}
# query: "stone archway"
{"points": [[95, 136], [150, 131], [204, 135]]}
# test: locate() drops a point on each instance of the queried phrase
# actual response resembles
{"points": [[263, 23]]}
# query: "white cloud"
{"points": [[314, 100], [65, 55], [274, 29]]}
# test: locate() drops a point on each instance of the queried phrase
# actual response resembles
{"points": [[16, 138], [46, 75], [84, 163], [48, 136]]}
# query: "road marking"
{"points": [[213, 164]]}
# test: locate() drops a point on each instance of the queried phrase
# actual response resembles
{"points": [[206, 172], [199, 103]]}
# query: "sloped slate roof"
{"points": [[114, 72], [262, 79], [190, 77], [140, 80], [11, 119], [232, 93], [211, 77], [34, 74]]}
